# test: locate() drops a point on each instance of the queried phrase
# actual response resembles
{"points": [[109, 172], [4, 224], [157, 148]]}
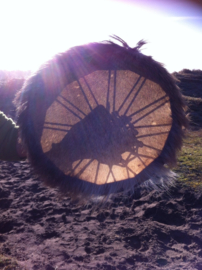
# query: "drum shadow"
{"points": [[99, 136]]}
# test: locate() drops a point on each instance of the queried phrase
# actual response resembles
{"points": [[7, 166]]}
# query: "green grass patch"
{"points": [[189, 167]]}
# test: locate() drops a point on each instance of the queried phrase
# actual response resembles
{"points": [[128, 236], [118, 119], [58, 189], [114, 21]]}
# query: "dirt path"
{"points": [[151, 231]]}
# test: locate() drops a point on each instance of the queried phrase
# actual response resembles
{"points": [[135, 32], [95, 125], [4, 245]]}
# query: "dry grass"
{"points": [[7, 263]]}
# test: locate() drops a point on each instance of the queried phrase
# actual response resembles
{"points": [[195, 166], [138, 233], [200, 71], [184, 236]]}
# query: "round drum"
{"points": [[101, 118]]}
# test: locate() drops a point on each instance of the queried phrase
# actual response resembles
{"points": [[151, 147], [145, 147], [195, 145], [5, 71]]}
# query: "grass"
{"points": [[189, 166]]}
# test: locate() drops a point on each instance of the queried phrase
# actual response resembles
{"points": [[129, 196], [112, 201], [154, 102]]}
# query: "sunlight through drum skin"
{"points": [[101, 118]]}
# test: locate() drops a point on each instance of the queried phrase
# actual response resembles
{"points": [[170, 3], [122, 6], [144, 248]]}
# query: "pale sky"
{"points": [[31, 32]]}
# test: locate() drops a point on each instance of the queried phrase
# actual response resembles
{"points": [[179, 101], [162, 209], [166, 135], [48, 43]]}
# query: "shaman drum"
{"points": [[100, 118]]}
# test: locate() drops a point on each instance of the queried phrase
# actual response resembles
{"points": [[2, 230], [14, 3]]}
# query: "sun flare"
{"points": [[32, 32]]}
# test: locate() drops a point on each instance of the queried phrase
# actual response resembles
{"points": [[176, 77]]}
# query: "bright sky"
{"points": [[32, 31]]}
